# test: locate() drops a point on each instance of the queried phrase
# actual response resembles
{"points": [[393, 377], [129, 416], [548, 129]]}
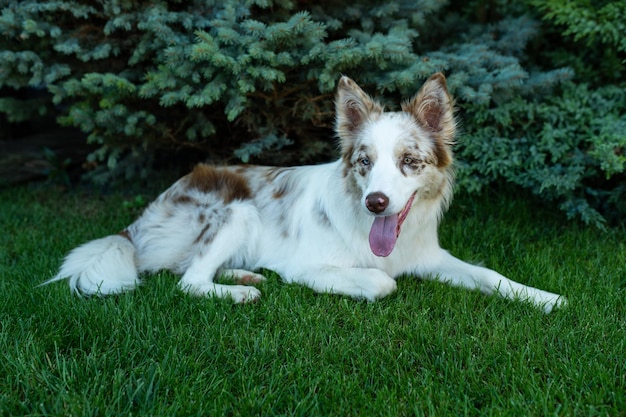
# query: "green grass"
{"points": [[429, 349]]}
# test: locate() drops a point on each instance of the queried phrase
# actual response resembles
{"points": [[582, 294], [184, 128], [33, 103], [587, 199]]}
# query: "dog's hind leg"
{"points": [[455, 272], [227, 243], [242, 276]]}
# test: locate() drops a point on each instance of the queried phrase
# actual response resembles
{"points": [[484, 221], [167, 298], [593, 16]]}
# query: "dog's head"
{"points": [[395, 159]]}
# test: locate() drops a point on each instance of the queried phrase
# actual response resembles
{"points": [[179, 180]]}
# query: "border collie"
{"points": [[347, 227]]}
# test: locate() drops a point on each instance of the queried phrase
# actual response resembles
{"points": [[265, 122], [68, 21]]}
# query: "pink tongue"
{"points": [[384, 234]]}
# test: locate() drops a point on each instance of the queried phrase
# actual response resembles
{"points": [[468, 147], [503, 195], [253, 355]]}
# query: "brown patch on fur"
{"points": [[247, 280], [280, 191], [348, 171], [350, 183], [184, 199], [202, 233], [353, 107], [240, 169], [126, 234], [272, 173], [283, 187], [229, 185], [433, 109], [346, 155], [444, 156]]}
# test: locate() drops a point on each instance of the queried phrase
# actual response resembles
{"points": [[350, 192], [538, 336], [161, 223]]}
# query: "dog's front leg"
{"points": [[368, 283], [462, 274]]}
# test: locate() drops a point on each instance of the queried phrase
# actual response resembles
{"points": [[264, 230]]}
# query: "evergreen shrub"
{"points": [[586, 36], [253, 81], [567, 148]]}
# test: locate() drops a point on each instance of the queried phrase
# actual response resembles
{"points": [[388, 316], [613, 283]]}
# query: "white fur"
{"points": [[102, 266], [310, 224]]}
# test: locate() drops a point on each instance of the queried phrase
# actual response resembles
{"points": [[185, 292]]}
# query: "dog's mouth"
{"points": [[386, 229]]}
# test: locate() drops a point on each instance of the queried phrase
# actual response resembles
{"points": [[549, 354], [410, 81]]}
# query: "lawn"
{"points": [[428, 349]]}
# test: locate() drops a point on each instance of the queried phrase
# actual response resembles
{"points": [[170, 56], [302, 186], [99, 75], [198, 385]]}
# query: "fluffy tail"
{"points": [[103, 266]]}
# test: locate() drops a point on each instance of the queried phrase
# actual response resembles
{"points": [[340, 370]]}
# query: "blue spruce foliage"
{"points": [[253, 81]]}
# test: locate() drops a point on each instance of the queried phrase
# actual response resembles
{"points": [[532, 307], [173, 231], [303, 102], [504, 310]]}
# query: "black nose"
{"points": [[376, 202]]}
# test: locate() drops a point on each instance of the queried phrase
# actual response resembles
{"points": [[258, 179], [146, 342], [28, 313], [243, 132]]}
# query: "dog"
{"points": [[347, 227]]}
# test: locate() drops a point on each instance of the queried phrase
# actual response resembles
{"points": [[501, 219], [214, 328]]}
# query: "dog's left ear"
{"points": [[433, 109], [353, 107]]}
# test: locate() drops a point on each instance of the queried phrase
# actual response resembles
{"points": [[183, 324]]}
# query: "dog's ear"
{"points": [[353, 106], [433, 109]]}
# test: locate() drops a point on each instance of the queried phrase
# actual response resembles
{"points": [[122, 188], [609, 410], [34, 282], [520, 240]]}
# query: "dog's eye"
{"points": [[364, 161], [408, 160]]}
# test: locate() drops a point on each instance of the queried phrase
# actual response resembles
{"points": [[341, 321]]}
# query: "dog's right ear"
{"points": [[353, 106], [433, 109]]}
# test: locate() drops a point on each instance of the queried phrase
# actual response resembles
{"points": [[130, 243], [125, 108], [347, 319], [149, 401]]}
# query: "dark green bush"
{"points": [[568, 148], [253, 80], [586, 36]]}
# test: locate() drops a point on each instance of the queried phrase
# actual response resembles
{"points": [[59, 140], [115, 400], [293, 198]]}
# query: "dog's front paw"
{"points": [[368, 283], [242, 294], [375, 284], [238, 293], [555, 301]]}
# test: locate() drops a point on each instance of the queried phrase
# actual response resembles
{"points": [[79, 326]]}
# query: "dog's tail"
{"points": [[102, 266]]}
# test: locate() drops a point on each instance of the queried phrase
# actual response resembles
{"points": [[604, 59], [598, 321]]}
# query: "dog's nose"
{"points": [[376, 202]]}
